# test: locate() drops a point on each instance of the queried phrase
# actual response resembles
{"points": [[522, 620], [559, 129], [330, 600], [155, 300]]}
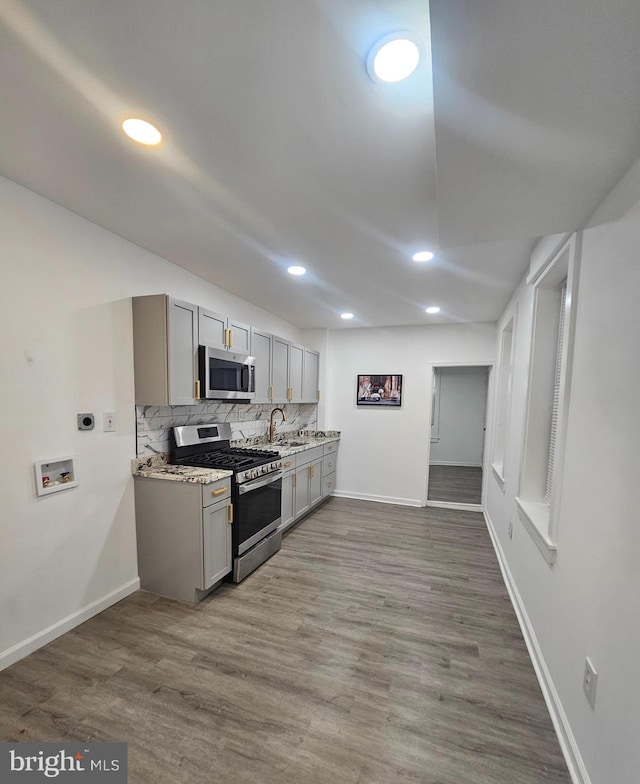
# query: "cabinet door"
{"points": [[261, 350], [182, 328], [216, 542], [288, 500], [296, 361], [329, 464], [328, 485], [212, 329], [240, 337], [279, 369], [310, 376], [315, 482], [301, 486]]}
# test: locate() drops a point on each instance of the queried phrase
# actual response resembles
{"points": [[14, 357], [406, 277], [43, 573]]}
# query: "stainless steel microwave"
{"points": [[225, 375]]}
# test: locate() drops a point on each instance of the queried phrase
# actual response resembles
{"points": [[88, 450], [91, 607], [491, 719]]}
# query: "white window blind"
{"points": [[553, 437]]}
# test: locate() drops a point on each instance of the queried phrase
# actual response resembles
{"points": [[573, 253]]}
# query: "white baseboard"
{"points": [[459, 507], [31, 644], [383, 499], [568, 744], [455, 464]]}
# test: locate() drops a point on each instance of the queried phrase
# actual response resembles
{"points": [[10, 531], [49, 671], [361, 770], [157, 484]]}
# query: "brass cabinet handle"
{"points": [[295, 480], [312, 471], [230, 344], [219, 491], [318, 394], [329, 463], [289, 393], [230, 515], [197, 395], [271, 392], [329, 484], [287, 465]]}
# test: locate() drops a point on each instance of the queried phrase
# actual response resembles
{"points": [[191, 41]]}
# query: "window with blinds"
{"points": [[555, 410], [555, 288]]}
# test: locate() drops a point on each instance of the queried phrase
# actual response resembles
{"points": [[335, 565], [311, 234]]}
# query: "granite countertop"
{"points": [[156, 467], [290, 443]]}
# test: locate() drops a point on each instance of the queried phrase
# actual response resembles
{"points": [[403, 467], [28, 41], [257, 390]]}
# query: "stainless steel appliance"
{"points": [[225, 375], [256, 489]]}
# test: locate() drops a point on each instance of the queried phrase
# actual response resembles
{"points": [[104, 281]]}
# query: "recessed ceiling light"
{"points": [[141, 131], [393, 57], [346, 315], [423, 255], [433, 310], [295, 270]]}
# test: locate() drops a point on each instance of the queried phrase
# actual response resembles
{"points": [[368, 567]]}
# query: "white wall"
{"points": [[66, 347], [461, 416], [384, 451], [588, 604]]}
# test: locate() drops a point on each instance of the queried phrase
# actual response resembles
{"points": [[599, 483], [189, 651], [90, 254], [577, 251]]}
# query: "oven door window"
{"points": [[256, 510]]}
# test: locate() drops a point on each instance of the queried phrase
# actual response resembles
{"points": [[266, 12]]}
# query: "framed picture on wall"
{"points": [[383, 391]]}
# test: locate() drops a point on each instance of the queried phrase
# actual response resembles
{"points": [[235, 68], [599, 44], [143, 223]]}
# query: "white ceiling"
{"points": [[280, 149]]}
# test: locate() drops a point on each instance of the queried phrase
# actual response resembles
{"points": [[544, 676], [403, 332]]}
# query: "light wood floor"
{"points": [[456, 484], [378, 646]]}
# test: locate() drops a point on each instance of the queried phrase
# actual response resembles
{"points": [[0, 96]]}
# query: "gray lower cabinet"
{"points": [[308, 478], [216, 542], [288, 512], [183, 533], [329, 467]]}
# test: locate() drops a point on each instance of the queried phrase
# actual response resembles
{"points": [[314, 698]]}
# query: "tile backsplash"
{"points": [[247, 421]]}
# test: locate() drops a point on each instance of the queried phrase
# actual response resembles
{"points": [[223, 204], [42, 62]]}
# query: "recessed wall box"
{"points": [[86, 421], [58, 473]]}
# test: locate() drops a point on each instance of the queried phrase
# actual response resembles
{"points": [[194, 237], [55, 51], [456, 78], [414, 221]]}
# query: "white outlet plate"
{"points": [[590, 681], [109, 421]]}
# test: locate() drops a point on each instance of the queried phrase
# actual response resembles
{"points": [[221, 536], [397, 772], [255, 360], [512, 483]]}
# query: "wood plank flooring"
{"points": [[456, 484], [378, 646]]}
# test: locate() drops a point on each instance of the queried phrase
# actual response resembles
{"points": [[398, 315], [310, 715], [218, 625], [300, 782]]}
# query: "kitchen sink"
{"points": [[291, 443]]}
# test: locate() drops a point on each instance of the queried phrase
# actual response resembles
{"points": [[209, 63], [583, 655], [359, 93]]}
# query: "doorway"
{"points": [[458, 426]]}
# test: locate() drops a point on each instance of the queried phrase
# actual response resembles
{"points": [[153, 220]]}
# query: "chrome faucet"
{"points": [[272, 424]]}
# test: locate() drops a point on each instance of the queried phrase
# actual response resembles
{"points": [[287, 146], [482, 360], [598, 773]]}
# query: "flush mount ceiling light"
{"points": [[423, 255], [141, 131], [393, 57], [296, 270], [346, 316], [433, 309]]}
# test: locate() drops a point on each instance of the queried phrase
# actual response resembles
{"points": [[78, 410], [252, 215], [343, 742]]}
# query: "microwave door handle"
{"points": [[244, 379]]}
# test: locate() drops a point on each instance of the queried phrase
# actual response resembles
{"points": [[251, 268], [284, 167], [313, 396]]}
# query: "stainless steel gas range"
{"points": [[256, 489]]}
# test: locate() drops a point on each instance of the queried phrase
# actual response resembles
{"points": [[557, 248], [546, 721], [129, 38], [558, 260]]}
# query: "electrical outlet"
{"points": [[109, 421], [590, 682], [510, 529]]}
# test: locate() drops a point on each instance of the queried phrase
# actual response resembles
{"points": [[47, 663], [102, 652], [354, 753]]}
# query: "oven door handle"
{"points": [[261, 482]]}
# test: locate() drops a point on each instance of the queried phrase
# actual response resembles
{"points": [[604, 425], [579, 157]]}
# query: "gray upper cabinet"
{"points": [[166, 336], [261, 350], [165, 346], [212, 329], [218, 331], [296, 362], [239, 337], [311, 376], [279, 369]]}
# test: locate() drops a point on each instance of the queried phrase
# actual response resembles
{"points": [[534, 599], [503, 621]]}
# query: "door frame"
{"points": [[488, 426]]}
